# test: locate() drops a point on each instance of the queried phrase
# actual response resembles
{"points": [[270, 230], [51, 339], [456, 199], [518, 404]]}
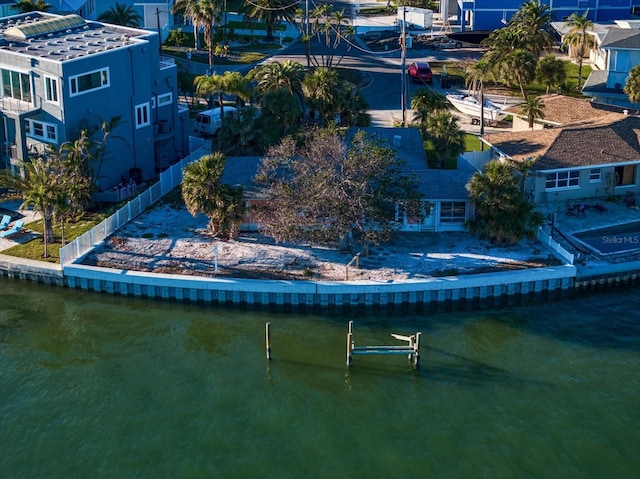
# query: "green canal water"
{"points": [[100, 386]]}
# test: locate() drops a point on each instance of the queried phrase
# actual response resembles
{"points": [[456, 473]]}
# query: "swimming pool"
{"points": [[616, 239]]}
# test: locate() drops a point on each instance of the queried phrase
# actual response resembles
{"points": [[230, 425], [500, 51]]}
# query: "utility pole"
{"points": [[159, 32], [403, 46], [481, 108]]}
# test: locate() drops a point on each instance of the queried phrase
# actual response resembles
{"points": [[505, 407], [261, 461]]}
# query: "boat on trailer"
{"points": [[470, 105]]}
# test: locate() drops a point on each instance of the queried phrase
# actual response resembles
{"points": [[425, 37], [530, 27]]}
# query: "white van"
{"points": [[208, 122]]}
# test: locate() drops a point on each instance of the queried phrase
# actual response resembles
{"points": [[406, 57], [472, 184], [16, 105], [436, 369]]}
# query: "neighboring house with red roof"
{"points": [[592, 158]]}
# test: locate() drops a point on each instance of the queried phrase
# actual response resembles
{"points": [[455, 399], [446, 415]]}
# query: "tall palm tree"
{"points": [[26, 6], [532, 108], [121, 14], [271, 12], [632, 86], [446, 136], [203, 192], [533, 19], [578, 38], [519, 67], [551, 71], [204, 14]]}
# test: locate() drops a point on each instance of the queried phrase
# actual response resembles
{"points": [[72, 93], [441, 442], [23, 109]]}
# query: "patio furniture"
{"points": [[15, 229], [4, 224]]}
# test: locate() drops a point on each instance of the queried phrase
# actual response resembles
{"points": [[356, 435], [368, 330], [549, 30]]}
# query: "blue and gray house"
{"points": [[61, 74]]}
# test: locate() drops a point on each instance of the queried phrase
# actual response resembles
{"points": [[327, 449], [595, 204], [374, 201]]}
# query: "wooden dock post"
{"points": [[416, 348], [268, 339], [350, 344]]}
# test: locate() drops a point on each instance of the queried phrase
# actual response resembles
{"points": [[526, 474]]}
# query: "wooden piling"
{"points": [[416, 346], [268, 339], [350, 344]]}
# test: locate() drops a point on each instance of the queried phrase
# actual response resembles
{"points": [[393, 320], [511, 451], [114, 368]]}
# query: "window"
{"points": [[41, 130], [563, 179], [142, 115], [453, 212], [87, 82], [625, 175], [51, 89], [16, 85], [163, 100], [595, 176]]}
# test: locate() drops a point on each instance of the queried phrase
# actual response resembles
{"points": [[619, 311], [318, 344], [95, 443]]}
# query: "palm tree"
{"points": [[504, 214], [445, 135], [424, 102], [26, 6], [121, 14], [281, 107], [533, 19], [532, 108], [271, 12], [519, 67], [203, 192], [551, 71], [203, 14], [632, 87], [320, 88], [39, 188], [272, 76], [226, 84], [578, 38]]}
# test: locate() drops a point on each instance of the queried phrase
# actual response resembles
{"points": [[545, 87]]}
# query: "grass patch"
{"points": [[472, 143], [35, 249], [236, 25]]}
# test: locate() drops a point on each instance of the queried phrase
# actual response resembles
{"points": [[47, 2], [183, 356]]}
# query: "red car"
{"points": [[420, 72]]}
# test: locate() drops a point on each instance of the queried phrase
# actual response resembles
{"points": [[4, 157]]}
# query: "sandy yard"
{"points": [[169, 240]]}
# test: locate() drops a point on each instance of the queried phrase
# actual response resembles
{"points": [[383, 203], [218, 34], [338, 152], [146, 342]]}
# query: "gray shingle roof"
{"points": [[628, 38]]}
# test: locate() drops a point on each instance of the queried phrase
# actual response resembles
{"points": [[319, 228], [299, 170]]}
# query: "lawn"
{"points": [[35, 249]]}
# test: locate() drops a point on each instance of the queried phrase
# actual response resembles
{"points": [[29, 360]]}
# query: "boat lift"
{"points": [[412, 349]]}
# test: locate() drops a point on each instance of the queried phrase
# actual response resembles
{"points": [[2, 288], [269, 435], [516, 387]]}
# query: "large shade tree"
{"points": [[204, 192], [320, 189], [504, 213]]}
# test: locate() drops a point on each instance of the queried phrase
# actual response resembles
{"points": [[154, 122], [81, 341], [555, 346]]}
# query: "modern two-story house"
{"points": [[60, 74]]}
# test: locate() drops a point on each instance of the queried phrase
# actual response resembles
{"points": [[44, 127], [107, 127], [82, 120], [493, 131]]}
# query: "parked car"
{"points": [[420, 72], [207, 123]]}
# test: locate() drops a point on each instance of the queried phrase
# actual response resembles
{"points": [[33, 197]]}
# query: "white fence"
{"points": [[478, 158], [562, 253], [169, 179]]}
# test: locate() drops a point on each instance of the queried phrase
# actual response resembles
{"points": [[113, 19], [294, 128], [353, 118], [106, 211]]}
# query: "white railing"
{"points": [[169, 179], [478, 158], [556, 247]]}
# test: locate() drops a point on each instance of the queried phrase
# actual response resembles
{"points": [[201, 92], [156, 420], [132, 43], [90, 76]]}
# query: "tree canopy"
{"points": [[504, 213], [320, 189]]}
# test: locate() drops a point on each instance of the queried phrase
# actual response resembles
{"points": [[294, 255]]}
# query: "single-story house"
{"points": [[598, 157], [446, 204], [561, 110]]}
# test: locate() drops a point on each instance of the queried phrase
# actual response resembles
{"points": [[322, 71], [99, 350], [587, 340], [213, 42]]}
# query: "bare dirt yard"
{"points": [[167, 239]]}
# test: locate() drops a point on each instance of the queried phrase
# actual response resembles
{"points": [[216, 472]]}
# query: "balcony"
{"points": [[12, 105], [167, 62]]}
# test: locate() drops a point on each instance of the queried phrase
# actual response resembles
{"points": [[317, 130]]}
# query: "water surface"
{"points": [[100, 386]]}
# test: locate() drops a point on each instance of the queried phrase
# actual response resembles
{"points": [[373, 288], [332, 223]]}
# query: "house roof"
{"points": [[565, 110], [610, 139], [240, 170], [59, 38], [432, 184], [627, 38]]}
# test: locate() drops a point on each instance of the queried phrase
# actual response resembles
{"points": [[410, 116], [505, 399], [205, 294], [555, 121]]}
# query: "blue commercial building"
{"points": [[492, 14]]}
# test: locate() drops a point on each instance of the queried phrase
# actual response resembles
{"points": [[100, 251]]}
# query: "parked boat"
{"points": [[470, 105]]}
